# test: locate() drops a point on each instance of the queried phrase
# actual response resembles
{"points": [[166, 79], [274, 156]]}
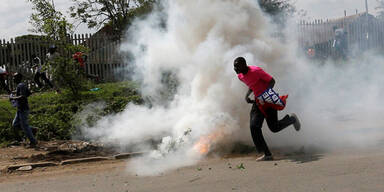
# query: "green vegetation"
{"points": [[279, 10], [48, 21], [54, 27], [55, 114], [117, 14]]}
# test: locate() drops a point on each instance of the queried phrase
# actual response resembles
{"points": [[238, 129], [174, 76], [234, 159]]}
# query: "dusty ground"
{"points": [[48, 172], [347, 171], [53, 151]]}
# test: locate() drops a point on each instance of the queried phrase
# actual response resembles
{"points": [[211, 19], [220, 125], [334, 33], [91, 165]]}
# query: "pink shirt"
{"points": [[256, 79]]}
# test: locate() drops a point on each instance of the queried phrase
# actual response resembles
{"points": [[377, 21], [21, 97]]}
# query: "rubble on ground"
{"points": [[54, 151]]}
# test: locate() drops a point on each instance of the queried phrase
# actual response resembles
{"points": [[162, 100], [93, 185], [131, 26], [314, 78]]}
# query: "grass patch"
{"points": [[54, 114]]}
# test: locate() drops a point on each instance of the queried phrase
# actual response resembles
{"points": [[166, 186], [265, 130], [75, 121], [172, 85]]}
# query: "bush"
{"points": [[66, 72], [54, 114], [7, 113]]}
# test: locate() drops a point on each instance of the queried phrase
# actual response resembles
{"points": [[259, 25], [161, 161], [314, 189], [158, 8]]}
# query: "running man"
{"points": [[265, 105], [21, 118], [40, 73]]}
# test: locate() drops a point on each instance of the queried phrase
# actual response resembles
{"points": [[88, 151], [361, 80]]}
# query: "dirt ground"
{"points": [[52, 151], [48, 172], [57, 151], [347, 171]]}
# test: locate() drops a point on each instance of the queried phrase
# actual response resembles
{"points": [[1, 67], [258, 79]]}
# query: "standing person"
{"points": [[81, 58], [340, 43], [51, 56], [265, 105], [40, 73], [21, 102], [3, 78], [52, 53]]}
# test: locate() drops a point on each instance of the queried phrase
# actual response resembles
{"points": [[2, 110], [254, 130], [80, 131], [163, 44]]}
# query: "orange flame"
{"points": [[203, 146]]}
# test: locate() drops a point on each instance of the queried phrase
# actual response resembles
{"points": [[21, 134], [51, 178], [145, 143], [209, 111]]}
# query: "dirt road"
{"points": [[346, 171]]}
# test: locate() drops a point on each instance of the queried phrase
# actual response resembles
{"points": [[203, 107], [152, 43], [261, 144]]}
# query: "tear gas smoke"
{"points": [[196, 42]]}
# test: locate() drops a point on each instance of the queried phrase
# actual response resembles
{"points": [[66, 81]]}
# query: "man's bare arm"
{"points": [[16, 97]]}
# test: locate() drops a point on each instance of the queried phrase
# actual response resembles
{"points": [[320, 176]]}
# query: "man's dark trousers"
{"points": [[275, 125], [4, 86], [43, 76], [21, 121]]}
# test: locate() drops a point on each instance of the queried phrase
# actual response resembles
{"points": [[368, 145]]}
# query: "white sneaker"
{"points": [[296, 124], [265, 158]]}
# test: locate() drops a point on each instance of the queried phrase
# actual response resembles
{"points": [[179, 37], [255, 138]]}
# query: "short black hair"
{"points": [[18, 76], [53, 46], [240, 61]]}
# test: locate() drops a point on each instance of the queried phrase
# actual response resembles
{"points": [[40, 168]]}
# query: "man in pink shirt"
{"points": [[260, 82]]}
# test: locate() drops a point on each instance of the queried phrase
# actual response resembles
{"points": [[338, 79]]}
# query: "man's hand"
{"points": [[247, 99], [272, 83], [12, 97], [15, 98]]}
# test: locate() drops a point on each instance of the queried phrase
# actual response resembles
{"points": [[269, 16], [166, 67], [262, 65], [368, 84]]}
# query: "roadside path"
{"points": [[347, 171]]}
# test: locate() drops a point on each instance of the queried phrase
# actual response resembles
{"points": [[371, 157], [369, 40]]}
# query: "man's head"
{"points": [[52, 49], [17, 77], [35, 60], [3, 74], [240, 65], [2, 71]]}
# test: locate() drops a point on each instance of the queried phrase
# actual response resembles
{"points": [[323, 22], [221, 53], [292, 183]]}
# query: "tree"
{"points": [[53, 25], [47, 21], [66, 72], [117, 13], [380, 9], [278, 9]]}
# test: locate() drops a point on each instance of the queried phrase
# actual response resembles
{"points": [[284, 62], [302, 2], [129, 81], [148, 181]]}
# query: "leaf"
{"points": [[241, 166]]}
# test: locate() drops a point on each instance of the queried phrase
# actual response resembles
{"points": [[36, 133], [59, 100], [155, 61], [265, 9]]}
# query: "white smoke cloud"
{"points": [[336, 102]]}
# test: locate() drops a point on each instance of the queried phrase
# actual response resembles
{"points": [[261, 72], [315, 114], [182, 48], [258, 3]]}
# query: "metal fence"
{"points": [[103, 57], [363, 32]]}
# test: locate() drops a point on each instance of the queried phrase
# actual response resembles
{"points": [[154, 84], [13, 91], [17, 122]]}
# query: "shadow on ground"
{"points": [[300, 155], [297, 155], [303, 158]]}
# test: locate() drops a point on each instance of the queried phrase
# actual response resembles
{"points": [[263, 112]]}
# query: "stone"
{"points": [[25, 168]]}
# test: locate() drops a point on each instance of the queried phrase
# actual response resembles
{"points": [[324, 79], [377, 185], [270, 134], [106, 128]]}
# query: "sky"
{"points": [[14, 19], [15, 13]]}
